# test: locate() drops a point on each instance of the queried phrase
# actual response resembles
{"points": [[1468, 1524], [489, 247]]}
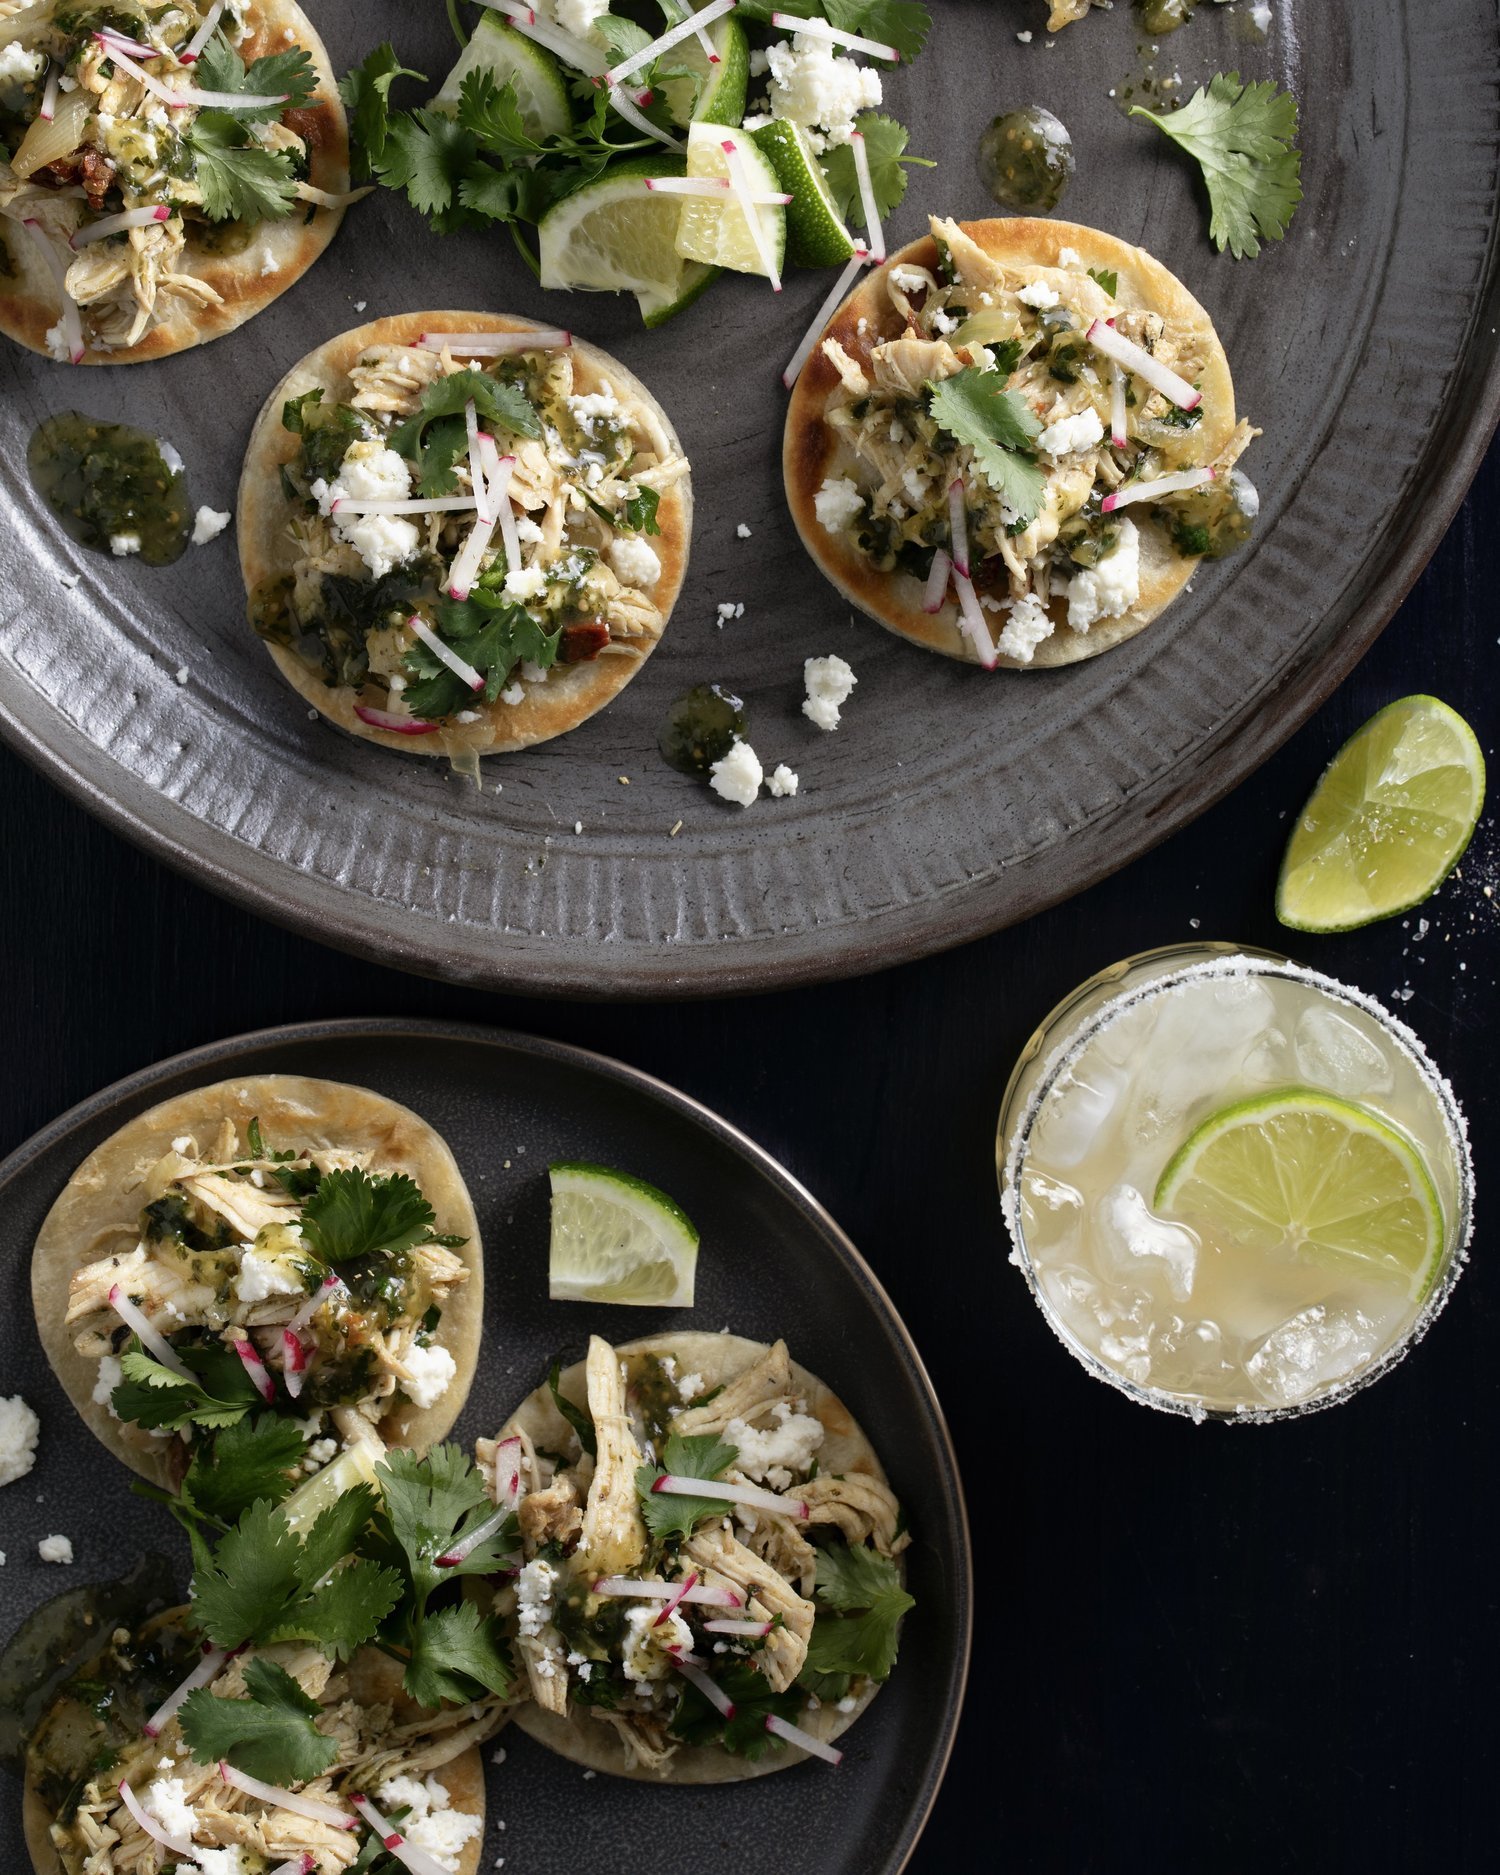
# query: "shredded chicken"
{"points": [[613, 1538], [761, 1385], [727, 1563], [862, 1508]]}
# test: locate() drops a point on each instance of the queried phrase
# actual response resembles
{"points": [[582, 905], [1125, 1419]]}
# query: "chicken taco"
{"points": [[275, 1242], [1016, 442], [461, 533], [170, 170], [711, 1584], [117, 1777]]}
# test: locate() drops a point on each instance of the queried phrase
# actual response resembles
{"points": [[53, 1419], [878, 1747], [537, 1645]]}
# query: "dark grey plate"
{"points": [[949, 803], [772, 1262]]}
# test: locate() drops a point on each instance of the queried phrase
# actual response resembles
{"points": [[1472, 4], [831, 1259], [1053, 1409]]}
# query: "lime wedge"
{"points": [[1307, 1171], [614, 236], [711, 94], [354, 1465], [815, 232], [695, 277], [617, 1239], [1388, 821], [511, 58], [718, 233]]}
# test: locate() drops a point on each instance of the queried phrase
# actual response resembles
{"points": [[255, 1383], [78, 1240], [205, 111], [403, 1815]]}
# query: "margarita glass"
{"points": [[1209, 1311]]}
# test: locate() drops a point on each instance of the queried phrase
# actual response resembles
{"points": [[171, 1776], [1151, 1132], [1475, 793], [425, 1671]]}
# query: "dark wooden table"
{"points": [[1197, 1649]]}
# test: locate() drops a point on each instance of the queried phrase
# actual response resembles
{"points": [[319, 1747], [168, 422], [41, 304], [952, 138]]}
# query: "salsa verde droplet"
{"points": [[1160, 17], [1026, 159], [113, 488], [700, 727]]}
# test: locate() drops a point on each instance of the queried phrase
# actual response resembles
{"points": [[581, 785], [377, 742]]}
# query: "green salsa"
{"points": [[1026, 159], [1160, 17], [108, 482], [700, 727]]}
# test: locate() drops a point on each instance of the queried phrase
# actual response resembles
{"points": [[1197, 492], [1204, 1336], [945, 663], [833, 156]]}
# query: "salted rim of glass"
{"points": [[1241, 964]]}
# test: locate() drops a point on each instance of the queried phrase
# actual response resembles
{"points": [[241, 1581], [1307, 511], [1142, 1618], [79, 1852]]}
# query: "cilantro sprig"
{"points": [[974, 407], [487, 630], [434, 436], [696, 1455], [861, 1602], [269, 1733], [219, 1394], [238, 179], [289, 76], [1242, 138], [358, 1214], [696, 1722], [885, 146]]}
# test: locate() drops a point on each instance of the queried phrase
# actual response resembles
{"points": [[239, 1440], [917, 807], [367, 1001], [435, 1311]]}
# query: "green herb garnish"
{"points": [[1241, 136]]}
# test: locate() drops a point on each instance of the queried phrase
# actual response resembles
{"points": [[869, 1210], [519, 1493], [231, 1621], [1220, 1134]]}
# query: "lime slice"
{"points": [[354, 1465], [695, 278], [614, 236], [718, 233], [617, 1239], [541, 90], [719, 89], [1314, 1173], [1388, 821], [815, 232]]}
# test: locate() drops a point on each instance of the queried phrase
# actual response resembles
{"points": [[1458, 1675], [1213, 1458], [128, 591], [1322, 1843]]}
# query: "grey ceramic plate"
{"points": [[772, 1262], [949, 803]]}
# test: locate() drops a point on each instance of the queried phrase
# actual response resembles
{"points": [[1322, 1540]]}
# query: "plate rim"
{"points": [[56, 1132]]}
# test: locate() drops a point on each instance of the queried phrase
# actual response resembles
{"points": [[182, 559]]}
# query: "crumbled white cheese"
{"points": [[1025, 629], [18, 66], [371, 472], [57, 344], [511, 694], [1072, 433], [1024, 38], [1038, 295], [527, 530], [108, 1378], [737, 776], [429, 1373], [944, 324], [525, 582], [319, 1453], [812, 85], [534, 1587], [783, 781], [19, 1431], [122, 544], [167, 1801], [596, 410], [55, 1549], [644, 1652], [689, 1387], [837, 503], [829, 681], [1069, 257], [261, 1276], [230, 1861], [1110, 588], [208, 524], [443, 1834], [742, 532], [534, 673], [777, 1453], [635, 561]]}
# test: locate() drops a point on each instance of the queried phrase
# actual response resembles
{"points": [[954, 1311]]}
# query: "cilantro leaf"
{"points": [[154, 1396], [1241, 136], [903, 24], [431, 1504], [253, 1458], [496, 401], [578, 1417], [289, 76], [698, 1455], [885, 146], [1107, 278], [239, 180], [352, 1214], [458, 1655], [638, 516], [253, 1576], [346, 1610], [492, 633], [429, 154], [269, 1734], [366, 92], [334, 1533], [974, 407], [862, 1603], [696, 1722]]}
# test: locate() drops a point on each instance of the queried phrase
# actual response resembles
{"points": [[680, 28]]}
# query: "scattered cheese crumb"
{"points": [[737, 776], [743, 531], [70, 580], [19, 1431], [829, 681], [783, 781], [121, 544], [55, 1549], [1038, 295], [182, 673], [360, 305], [208, 524]]}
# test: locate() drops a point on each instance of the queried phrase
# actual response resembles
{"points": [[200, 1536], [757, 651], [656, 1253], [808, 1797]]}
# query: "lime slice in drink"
{"points": [[614, 236], [1388, 821], [718, 233], [511, 58], [1306, 1171], [617, 1239], [815, 232], [719, 90], [354, 1465]]}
